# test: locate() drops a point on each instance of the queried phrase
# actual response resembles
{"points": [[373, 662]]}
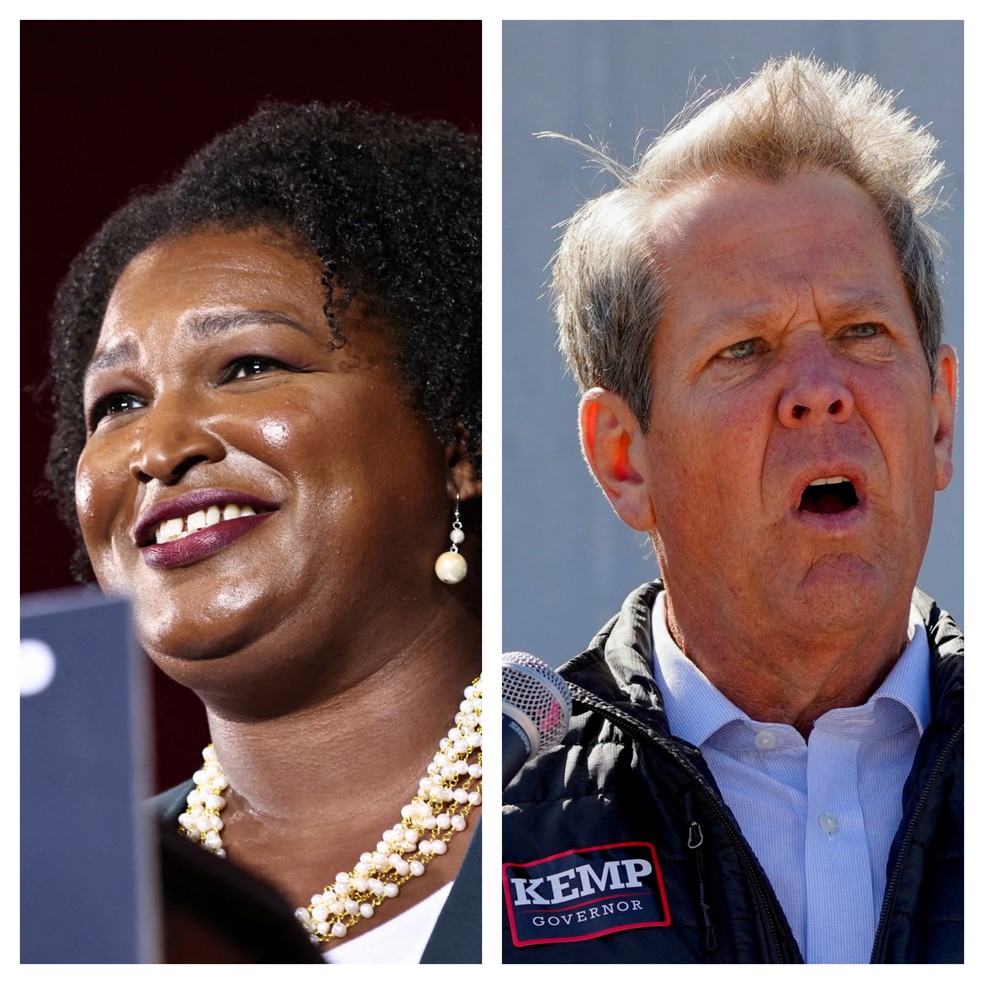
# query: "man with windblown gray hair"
{"points": [[765, 761]]}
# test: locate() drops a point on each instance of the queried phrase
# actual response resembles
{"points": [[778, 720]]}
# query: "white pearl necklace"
{"points": [[445, 797]]}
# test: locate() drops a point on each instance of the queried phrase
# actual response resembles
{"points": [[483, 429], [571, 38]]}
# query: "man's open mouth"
{"points": [[829, 495]]}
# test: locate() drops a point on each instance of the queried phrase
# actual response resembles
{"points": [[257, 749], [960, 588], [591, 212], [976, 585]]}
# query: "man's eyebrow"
{"points": [[748, 316], [861, 303]]}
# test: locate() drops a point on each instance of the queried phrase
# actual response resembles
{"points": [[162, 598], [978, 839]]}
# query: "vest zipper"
{"points": [[893, 882], [642, 733], [756, 881], [695, 838]]}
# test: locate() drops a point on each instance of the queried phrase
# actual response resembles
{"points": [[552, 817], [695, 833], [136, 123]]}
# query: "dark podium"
{"points": [[102, 881]]}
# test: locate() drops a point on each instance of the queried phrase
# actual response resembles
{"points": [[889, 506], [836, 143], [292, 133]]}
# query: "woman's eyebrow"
{"points": [[112, 358], [203, 326], [216, 322]]}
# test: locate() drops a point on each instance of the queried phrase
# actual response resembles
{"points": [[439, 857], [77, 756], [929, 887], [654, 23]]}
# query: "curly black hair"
{"points": [[391, 206]]}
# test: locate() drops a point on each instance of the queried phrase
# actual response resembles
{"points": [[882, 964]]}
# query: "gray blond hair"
{"points": [[793, 115]]}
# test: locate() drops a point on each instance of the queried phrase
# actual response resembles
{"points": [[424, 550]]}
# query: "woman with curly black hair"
{"points": [[267, 378]]}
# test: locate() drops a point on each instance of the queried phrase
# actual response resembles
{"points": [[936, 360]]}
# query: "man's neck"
{"points": [[789, 676]]}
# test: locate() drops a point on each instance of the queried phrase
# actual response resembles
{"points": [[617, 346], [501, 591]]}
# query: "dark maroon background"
{"points": [[107, 107]]}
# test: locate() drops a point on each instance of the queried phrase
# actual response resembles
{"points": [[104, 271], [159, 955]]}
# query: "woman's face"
{"points": [[213, 388]]}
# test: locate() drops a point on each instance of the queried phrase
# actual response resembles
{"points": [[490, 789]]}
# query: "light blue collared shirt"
{"points": [[820, 816]]}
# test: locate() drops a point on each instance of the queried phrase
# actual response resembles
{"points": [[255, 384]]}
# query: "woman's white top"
{"points": [[400, 940]]}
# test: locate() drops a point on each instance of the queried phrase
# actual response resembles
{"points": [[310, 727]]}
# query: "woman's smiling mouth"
{"points": [[182, 526], [192, 547], [196, 525]]}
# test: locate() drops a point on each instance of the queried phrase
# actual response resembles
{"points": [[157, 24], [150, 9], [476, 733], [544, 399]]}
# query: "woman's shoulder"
{"points": [[169, 804], [457, 935]]}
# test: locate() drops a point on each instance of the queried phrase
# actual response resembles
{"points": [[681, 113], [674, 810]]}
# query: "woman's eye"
{"points": [[112, 405], [740, 350], [252, 365]]}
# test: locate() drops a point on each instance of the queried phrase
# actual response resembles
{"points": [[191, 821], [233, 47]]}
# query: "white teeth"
{"points": [[170, 530], [197, 521], [830, 481], [178, 528]]}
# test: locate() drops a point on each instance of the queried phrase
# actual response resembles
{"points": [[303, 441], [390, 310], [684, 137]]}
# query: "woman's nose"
{"points": [[172, 439], [817, 390]]}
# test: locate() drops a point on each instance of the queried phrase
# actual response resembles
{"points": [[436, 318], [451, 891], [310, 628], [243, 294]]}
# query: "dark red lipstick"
{"points": [[201, 544]]}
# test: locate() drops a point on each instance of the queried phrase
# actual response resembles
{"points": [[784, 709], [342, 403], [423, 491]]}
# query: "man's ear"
{"points": [[944, 411], [462, 479], [613, 444]]}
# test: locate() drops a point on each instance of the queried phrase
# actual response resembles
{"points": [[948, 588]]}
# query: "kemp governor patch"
{"points": [[584, 893]]}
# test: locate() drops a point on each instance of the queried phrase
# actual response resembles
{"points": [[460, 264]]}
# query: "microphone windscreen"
{"points": [[533, 692]]}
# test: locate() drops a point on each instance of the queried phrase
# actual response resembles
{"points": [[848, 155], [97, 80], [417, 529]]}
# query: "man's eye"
{"points": [[112, 405], [251, 365], [865, 330], [740, 350]]}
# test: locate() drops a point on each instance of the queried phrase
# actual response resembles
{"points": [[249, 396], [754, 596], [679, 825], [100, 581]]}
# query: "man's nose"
{"points": [[171, 439], [817, 389]]}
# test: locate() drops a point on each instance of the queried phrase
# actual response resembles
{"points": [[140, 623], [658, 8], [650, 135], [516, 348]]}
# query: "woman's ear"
{"points": [[611, 441], [462, 479]]}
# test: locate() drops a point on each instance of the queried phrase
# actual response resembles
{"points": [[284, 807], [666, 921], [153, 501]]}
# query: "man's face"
{"points": [[795, 442]]}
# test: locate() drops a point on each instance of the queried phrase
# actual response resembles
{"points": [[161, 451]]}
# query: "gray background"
{"points": [[568, 561]]}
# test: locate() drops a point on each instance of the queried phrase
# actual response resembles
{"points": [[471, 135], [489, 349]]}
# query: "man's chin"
{"points": [[842, 590]]}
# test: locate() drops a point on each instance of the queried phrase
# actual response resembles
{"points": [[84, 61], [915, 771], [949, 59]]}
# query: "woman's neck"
{"points": [[372, 739]]}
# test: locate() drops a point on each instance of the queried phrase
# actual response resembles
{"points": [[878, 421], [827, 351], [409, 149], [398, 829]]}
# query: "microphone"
{"points": [[536, 711]]}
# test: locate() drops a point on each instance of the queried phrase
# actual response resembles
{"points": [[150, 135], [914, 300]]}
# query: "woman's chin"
{"points": [[174, 636]]}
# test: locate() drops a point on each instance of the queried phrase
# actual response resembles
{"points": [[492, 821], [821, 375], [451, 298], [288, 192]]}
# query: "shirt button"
{"points": [[829, 823], [765, 739]]}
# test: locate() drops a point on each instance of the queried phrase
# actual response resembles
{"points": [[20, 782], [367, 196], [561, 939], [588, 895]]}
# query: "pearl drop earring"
{"points": [[451, 567]]}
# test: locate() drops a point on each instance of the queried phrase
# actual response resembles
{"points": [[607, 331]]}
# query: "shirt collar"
{"points": [[696, 709], [908, 681]]}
